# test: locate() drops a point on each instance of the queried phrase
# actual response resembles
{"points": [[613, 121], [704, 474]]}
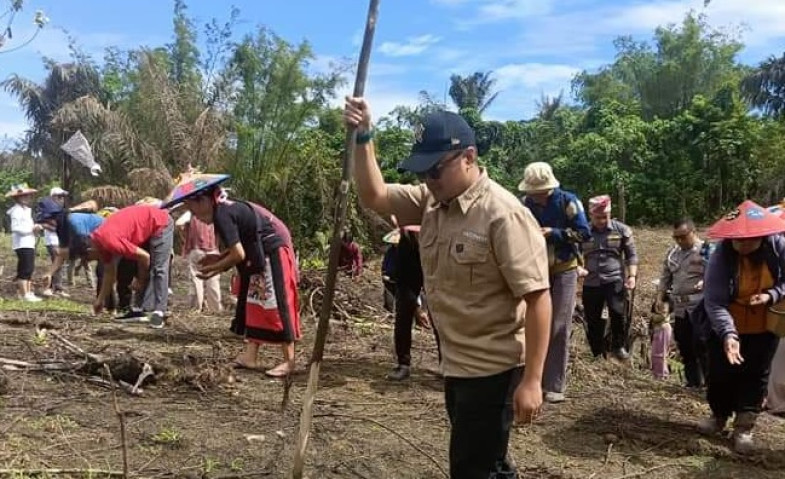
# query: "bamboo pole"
{"points": [[342, 196]]}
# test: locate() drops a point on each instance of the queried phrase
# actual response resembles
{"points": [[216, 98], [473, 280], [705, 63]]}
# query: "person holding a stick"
{"points": [[259, 246], [485, 272]]}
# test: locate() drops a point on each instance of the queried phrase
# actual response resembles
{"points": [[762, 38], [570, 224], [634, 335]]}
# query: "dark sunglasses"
{"points": [[435, 172]]}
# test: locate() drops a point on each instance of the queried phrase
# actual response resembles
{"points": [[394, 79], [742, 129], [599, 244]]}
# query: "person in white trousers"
{"points": [[199, 242]]}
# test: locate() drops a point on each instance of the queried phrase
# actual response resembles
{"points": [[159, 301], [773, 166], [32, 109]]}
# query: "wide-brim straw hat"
{"points": [[20, 189], [191, 185]]}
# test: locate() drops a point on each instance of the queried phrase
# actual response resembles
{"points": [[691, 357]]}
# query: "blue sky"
{"points": [[533, 46]]}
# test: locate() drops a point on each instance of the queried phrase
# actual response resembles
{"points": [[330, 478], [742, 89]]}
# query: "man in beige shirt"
{"points": [[485, 268]]}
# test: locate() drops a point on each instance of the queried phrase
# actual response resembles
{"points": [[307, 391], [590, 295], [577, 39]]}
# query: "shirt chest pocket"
{"points": [[470, 261], [614, 241], [695, 266]]}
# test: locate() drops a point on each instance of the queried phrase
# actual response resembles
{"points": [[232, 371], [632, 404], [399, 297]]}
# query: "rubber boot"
{"points": [[712, 425], [742, 432]]}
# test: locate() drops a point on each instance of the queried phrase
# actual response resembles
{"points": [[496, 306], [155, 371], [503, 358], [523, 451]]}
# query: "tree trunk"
{"points": [[622, 203]]}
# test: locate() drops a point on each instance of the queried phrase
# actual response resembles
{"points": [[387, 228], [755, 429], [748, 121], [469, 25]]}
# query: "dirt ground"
{"points": [[199, 418]]}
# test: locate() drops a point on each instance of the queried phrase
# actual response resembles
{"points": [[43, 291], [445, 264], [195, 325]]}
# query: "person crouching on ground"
{"points": [[661, 334], [145, 234], [351, 258], [23, 231], [745, 275], [267, 303]]}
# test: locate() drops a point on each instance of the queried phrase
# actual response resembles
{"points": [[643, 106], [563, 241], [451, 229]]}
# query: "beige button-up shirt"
{"points": [[480, 254]]}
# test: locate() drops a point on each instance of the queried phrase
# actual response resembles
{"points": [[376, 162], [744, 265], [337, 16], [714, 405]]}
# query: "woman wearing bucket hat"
{"points": [[23, 231], [563, 223], [745, 276], [259, 246]]}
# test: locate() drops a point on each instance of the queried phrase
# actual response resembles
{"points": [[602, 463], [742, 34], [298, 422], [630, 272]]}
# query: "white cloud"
{"points": [[580, 27], [413, 46], [511, 9], [533, 75], [13, 129], [522, 84]]}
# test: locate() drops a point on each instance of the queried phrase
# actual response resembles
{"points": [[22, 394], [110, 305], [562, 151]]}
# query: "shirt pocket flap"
{"points": [[468, 252]]}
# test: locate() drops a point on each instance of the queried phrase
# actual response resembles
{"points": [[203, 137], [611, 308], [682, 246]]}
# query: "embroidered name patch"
{"points": [[479, 238]]}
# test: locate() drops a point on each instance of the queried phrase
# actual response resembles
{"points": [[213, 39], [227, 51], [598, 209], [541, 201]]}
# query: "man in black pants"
{"points": [[682, 275], [612, 263], [408, 307]]}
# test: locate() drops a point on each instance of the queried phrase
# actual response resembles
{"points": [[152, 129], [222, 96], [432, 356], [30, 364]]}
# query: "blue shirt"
{"points": [[82, 224], [564, 214]]}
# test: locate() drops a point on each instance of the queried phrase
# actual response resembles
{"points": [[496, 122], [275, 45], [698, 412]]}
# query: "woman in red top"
{"points": [[143, 233], [267, 310]]}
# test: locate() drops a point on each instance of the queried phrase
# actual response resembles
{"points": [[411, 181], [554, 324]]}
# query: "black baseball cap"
{"points": [[438, 133]]}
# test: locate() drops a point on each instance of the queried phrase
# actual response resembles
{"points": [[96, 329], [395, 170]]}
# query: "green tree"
{"points": [[474, 91], [764, 88], [684, 61]]}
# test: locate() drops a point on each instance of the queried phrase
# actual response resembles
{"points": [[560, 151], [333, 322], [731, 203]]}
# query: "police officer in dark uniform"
{"points": [[612, 265]]}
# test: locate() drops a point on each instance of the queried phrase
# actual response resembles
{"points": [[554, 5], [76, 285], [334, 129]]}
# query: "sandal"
{"points": [[281, 371]]}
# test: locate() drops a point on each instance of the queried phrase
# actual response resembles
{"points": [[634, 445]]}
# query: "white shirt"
{"points": [[21, 227], [50, 238]]}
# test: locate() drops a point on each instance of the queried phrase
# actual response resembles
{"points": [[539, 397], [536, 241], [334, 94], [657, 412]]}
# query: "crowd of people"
{"points": [[495, 277]]}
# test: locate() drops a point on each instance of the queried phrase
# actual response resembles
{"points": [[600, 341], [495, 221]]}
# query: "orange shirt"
{"points": [[753, 279]]}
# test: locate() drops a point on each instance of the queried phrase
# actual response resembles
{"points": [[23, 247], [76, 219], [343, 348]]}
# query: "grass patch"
{"points": [[50, 305]]}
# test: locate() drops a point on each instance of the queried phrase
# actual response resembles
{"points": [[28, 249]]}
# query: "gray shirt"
{"points": [[682, 270], [607, 254]]}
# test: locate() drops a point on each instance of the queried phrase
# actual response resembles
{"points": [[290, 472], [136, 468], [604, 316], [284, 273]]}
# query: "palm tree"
{"points": [[474, 91], [547, 106], [146, 142], [765, 87], [63, 84]]}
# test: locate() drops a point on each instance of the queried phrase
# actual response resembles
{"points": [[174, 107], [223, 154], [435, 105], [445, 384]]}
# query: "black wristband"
{"points": [[364, 137]]}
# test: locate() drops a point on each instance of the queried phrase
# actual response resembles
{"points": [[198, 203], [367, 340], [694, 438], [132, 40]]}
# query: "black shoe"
{"points": [[132, 317], [621, 354], [156, 320], [400, 373]]}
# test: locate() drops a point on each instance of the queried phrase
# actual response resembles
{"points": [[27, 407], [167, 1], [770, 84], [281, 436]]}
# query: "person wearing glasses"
{"points": [[563, 224], [682, 278], [486, 279]]}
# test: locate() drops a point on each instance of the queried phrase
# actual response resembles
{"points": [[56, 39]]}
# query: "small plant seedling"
{"points": [[168, 437]]}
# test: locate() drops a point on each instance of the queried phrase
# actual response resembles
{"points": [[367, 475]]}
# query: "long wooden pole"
{"points": [[317, 354]]}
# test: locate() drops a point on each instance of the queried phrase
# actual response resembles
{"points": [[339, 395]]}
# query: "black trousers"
{"points": [[481, 415], [25, 263], [692, 350], [405, 307], [126, 271], [740, 388], [595, 298]]}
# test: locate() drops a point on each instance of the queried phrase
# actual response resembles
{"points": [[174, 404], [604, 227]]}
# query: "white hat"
{"points": [[538, 177], [57, 191]]}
